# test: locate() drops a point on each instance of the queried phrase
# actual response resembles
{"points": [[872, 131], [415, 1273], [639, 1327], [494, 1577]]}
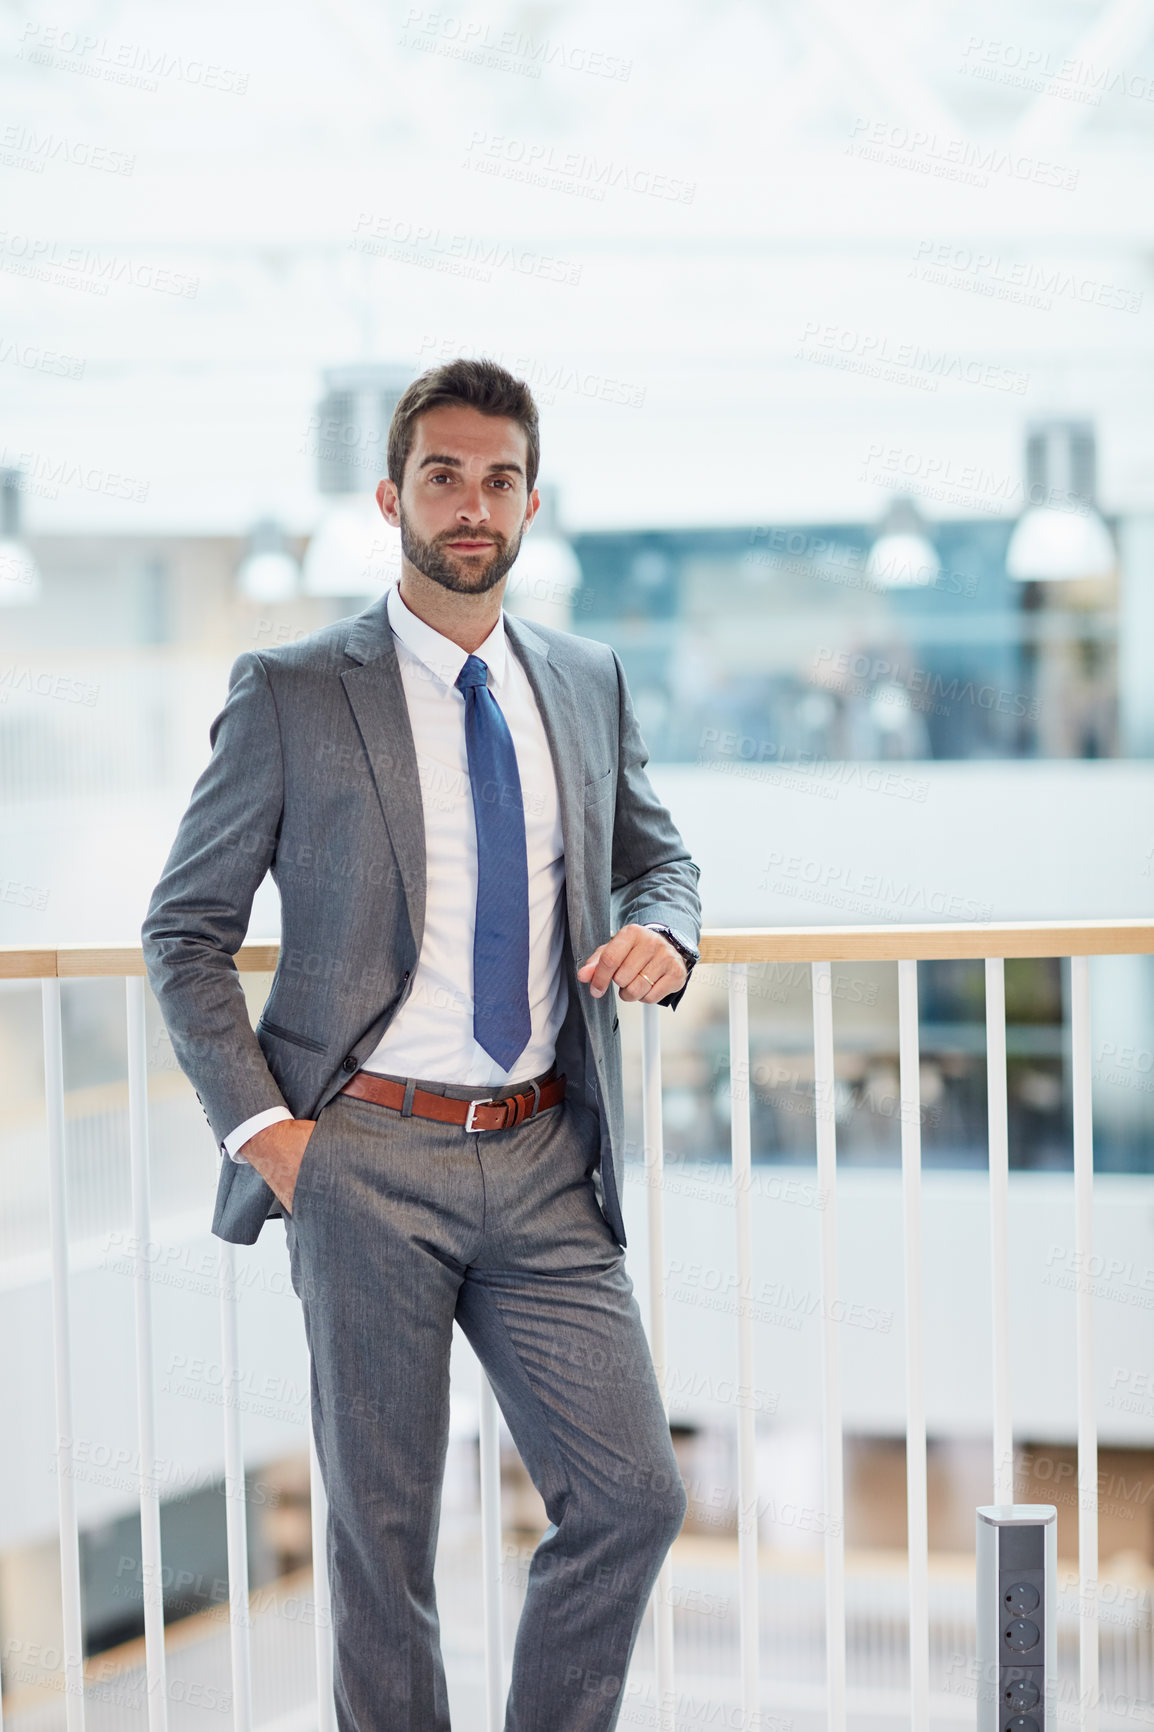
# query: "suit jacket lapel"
{"points": [[558, 703], [377, 696]]}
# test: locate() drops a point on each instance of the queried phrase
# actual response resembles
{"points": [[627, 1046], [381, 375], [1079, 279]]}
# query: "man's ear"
{"points": [[533, 507], [387, 498]]}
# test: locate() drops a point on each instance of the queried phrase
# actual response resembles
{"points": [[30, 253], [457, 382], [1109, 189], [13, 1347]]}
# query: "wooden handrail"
{"points": [[950, 941], [718, 944]]}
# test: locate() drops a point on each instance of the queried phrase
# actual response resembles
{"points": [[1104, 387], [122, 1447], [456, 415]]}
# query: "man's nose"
{"points": [[472, 504]]}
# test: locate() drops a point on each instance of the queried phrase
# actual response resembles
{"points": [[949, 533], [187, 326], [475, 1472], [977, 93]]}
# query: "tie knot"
{"points": [[474, 673]]}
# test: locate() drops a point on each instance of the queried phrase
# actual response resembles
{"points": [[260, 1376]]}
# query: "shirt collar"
{"points": [[444, 658]]}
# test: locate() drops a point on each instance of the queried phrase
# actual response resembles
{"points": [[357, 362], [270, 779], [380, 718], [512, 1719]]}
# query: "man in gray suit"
{"points": [[469, 854]]}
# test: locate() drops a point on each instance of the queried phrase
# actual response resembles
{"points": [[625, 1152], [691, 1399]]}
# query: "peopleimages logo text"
{"points": [[34, 255], [953, 158], [130, 63]]}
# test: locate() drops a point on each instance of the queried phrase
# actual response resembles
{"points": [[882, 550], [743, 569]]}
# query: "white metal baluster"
{"points": [[998, 1118], [150, 1559], [917, 1520], [62, 1358], [653, 1141], [826, 1129], [235, 1502], [490, 1436], [322, 1596], [740, 1146], [1087, 1417]]}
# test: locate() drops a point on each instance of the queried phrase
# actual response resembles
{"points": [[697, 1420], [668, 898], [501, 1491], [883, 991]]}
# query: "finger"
{"points": [[664, 973], [610, 960], [641, 952], [591, 962], [646, 953], [639, 969], [649, 985]]}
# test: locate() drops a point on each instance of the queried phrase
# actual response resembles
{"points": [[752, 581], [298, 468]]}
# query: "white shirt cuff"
{"points": [[235, 1139]]}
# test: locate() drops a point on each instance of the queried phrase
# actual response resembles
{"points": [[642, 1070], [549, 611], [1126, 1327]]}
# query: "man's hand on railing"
{"points": [[641, 964], [276, 1153]]}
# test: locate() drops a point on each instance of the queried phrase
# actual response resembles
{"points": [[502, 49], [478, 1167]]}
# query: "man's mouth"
{"points": [[470, 546]]}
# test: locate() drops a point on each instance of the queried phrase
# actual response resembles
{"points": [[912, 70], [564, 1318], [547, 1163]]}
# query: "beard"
{"points": [[463, 573]]}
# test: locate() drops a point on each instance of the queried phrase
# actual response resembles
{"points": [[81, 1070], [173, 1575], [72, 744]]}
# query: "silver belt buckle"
{"points": [[473, 1105]]}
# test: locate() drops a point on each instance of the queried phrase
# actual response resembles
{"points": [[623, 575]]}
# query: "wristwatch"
{"points": [[687, 952]]}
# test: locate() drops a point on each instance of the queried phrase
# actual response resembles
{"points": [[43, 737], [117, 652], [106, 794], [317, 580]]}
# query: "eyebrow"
{"points": [[455, 463]]}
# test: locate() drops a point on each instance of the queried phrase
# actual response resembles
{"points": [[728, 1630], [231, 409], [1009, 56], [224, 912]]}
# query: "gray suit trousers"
{"points": [[399, 1227]]}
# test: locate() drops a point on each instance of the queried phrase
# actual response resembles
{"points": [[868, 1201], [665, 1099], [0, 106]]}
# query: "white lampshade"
{"points": [[353, 551], [268, 577], [545, 577], [268, 571], [889, 707], [1059, 546], [20, 584], [903, 560]]}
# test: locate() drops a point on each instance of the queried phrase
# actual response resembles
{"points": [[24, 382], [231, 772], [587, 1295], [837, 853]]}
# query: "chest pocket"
{"points": [[599, 788]]}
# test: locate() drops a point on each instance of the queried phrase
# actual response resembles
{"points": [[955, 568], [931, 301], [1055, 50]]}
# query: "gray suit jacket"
{"points": [[313, 777]]}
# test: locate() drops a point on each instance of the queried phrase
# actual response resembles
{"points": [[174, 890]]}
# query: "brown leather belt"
{"points": [[482, 1115]]}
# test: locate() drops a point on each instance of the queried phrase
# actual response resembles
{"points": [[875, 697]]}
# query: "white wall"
{"points": [[859, 844], [855, 844]]}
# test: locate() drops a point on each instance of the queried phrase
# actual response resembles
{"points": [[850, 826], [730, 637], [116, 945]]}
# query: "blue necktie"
{"points": [[501, 1020]]}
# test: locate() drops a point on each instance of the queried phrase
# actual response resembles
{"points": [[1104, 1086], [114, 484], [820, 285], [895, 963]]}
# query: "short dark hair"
{"points": [[481, 385]]}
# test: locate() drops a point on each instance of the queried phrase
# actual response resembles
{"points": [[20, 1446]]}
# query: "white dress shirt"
{"points": [[431, 1035]]}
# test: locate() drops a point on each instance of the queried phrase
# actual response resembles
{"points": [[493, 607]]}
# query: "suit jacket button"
{"points": [[350, 1064]]}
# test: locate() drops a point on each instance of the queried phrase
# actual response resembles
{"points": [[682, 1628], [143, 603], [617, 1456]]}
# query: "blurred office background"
{"points": [[839, 321]]}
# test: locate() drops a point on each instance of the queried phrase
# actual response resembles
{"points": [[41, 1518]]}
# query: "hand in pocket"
{"points": [[277, 1152]]}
